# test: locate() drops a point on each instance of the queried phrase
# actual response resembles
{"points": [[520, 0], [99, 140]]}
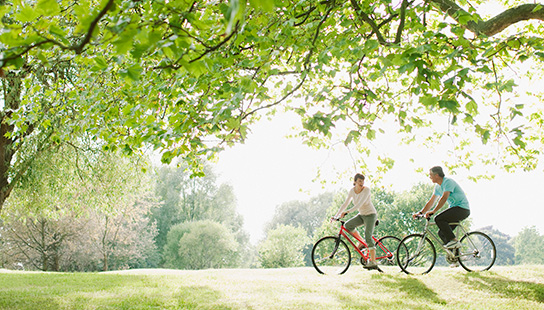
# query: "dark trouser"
{"points": [[443, 220]]}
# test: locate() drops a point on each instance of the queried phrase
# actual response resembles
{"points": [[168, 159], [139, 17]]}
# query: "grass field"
{"points": [[520, 287]]}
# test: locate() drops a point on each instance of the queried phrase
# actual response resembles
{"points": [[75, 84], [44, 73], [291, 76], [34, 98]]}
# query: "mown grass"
{"points": [[520, 287]]}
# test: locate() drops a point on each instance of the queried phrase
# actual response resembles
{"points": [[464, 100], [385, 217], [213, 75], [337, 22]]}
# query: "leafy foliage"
{"points": [[395, 211], [188, 199], [80, 211], [529, 245], [306, 214], [186, 78], [201, 245], [283, 247], [504, 244]]}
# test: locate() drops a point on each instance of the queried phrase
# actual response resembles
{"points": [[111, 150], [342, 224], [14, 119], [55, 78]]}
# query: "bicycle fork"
{"points": [[336, 245], [419, 248]]}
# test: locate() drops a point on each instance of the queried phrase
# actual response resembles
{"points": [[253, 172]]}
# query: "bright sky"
{"points": [[270, 169]]}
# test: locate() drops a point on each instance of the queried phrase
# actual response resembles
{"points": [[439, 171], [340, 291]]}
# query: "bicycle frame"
{"points": [[345, 233], [460, 232]]}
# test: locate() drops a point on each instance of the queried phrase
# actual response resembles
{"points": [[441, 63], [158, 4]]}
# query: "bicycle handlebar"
{"points": [[419, 217]]}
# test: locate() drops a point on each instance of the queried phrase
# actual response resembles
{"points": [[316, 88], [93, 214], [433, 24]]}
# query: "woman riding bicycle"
{"points": [[360, 195], [448, 190]]}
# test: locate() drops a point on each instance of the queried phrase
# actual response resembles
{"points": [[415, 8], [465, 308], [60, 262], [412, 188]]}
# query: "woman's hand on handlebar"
{"points": [[338, 218]]}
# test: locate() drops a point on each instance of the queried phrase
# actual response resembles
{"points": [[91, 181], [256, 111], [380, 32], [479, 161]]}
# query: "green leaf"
{"points": [[508, 86], [464, 17], [197, 68], [472, 107], [133, 73], [48, 7], [232, 123], [100, 62], [371, 134], [428, 101], [265, 5], [27, 14], [354, 134], [450, 105]]}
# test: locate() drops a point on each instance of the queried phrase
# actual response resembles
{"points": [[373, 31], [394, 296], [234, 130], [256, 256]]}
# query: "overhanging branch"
{"points": [[496, 24]]}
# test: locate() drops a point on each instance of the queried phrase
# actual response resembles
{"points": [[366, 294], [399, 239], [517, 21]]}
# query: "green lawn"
{"points": [[520, 287]]}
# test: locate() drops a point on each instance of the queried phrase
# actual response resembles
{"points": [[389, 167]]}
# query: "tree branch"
{"points": [[402, 21], [365, 18], [496, 24], [79, 48]]}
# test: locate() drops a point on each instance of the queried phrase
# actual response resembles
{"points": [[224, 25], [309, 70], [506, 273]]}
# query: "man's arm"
{"points": [[440, 204], [428, 205]]}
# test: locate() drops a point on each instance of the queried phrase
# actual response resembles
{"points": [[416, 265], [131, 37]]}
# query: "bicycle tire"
{"points": [[387, 256], [477, 252], [416, 254], [322, 260]]}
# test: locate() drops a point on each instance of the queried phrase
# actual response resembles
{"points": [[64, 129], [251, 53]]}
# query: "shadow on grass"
{"points": [[411, 287], [410, 293], [505, 287]]}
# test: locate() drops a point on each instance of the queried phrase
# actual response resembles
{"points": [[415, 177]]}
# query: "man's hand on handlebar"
{"points": [[419, 215]]}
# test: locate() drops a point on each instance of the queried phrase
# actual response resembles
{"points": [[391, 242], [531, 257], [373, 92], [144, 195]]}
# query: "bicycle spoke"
{"points": [[477, 252], [416, 254], [386, 250], [328, 261]]}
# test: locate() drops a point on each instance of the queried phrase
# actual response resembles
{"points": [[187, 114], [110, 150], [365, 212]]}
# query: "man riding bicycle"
{"points": [[448, 190]]}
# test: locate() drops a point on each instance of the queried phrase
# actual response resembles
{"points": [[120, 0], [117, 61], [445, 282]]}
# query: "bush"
{"points": [[283, 247], [200, 245]]}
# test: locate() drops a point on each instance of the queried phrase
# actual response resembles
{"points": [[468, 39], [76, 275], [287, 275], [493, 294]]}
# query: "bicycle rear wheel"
{"points": [[331, 255], [386, 252], [416, 254], [477, 252]]}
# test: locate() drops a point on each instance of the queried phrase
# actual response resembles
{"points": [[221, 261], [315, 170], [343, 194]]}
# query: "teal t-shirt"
{"points": [[457, 196]]}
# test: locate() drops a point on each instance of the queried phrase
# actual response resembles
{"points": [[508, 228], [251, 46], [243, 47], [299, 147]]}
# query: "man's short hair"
{"points": [[438, 170]]}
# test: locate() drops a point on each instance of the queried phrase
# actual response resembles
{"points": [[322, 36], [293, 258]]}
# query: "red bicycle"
{"points": [[331, 254]]}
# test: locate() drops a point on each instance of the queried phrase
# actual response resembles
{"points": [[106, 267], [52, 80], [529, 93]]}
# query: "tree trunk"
{"points": [[105, 261], [12, 87]]}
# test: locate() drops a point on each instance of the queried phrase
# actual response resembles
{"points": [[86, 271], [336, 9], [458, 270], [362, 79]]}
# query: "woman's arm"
{"points": [[342, 211]]}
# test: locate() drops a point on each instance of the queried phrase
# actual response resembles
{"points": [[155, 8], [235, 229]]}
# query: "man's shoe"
{"points": [[454, 265], [454, 244]]}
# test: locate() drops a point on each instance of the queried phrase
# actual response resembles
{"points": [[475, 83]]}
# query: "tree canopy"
{"points": [[188, 77]]}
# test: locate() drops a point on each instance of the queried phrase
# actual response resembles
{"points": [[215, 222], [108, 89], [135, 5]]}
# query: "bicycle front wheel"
{"points": [[416, 254], [477, 252], [386, 250], [331, 255]]}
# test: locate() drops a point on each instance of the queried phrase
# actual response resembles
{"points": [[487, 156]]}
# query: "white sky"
{"points": [[270, 169]]}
